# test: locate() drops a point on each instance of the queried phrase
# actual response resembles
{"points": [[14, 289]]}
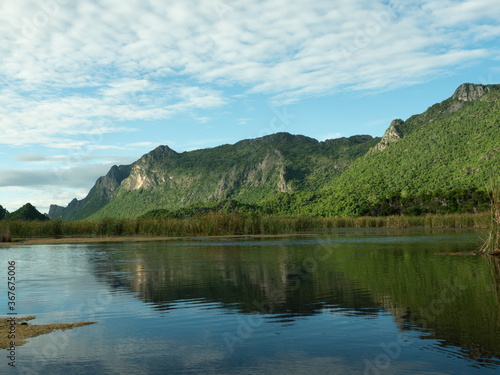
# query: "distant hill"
{"points": [[27, 212], [437, 161]]}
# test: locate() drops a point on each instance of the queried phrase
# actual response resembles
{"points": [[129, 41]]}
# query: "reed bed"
{"points": [[221, 224], [5, 235]]}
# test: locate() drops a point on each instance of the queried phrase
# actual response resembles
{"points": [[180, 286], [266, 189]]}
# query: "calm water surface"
{"points": [[352, 302]]}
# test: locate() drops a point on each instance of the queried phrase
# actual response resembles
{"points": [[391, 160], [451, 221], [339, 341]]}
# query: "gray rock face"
{"points": [[392, 134], [55, 211], [468, 92]]}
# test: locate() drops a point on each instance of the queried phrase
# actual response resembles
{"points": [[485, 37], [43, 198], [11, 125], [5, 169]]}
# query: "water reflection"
{"points": [[266, 279], [323, 304], [452, 301]]}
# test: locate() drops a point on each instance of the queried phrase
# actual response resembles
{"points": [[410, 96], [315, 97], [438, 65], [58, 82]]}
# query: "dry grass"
{"points": [[26, 331]]}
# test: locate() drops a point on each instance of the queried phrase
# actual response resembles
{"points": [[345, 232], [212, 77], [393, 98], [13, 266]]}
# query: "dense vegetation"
{"points": [[27, 212], [248, 171], [223, 223], [230, 217], [435, 162], [442, 150]]}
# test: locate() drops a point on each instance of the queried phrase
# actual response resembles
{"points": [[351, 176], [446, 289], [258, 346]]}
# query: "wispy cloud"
{"points": [[70, 69], [243, 121]]}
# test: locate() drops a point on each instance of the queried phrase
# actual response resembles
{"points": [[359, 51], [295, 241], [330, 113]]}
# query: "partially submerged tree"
{"points": [[491, 244]]}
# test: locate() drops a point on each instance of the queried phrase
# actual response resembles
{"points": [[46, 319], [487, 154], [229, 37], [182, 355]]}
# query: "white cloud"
{"points": [[459, 13], [139, 57], [243, 121], [52, 121]]}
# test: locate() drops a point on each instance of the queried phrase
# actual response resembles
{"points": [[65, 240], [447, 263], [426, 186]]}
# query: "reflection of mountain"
{"points": [[453, 299], [262, 279], [495, 275]]}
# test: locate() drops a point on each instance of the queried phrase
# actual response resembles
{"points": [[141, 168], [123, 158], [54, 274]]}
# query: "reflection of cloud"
{"points": [[300, 363]]}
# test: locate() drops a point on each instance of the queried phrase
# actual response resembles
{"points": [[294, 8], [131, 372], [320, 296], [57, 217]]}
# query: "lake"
{"points": [[346, 302]]}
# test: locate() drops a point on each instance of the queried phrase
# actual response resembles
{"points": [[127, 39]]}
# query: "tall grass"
{"points": [[5, 235], [221, 224], [492, 242]]}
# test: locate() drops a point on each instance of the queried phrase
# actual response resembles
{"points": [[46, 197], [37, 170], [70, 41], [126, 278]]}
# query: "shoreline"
{"points": [[83, 240], [109, 239]]}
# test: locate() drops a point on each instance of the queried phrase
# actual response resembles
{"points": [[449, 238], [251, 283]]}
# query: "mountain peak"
{"points": [[392, 134], [159, 152], [287, 137], [163, 151], [469, 92]]}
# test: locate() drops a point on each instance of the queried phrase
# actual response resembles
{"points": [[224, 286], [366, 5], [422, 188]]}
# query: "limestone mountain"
{"points": [[452, 149], [249, 171]]}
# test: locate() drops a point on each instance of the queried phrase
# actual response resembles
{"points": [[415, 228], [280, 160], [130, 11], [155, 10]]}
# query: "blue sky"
{"points": [[89, 84]]}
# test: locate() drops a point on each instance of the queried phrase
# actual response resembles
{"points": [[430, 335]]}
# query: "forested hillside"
{"points": [[436, 162]]}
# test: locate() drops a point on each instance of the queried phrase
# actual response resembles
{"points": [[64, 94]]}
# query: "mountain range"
{"points": [[27, 212], [453, 145]]}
